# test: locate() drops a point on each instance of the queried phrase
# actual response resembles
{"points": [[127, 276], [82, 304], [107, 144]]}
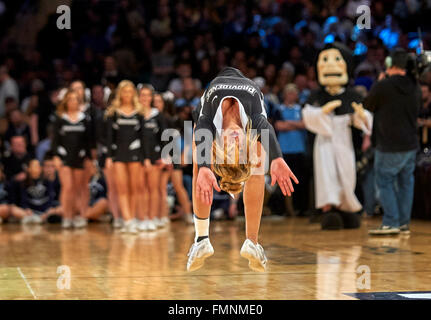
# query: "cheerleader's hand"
{"points": [[205, 183], [331, 106], [281, 173], [58, 163], [147, 163], [161, 163], [167, 162]]}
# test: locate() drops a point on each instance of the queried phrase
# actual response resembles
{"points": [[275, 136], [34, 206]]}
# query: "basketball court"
{"points": [[46, 262]]}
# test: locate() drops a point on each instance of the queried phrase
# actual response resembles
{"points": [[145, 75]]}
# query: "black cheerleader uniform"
{"points": [[124, 137], [72, 140], [231, 83], [152, 133]]}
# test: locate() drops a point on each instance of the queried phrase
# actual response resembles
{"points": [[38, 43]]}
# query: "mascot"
{"points": [[330, 112]]}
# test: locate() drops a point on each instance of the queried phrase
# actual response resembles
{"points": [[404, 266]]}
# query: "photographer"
{"points": [[395, 101]]}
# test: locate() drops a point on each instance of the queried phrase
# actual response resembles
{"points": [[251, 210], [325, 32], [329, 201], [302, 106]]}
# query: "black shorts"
{"points": [[73, 162], [101, 160], [155, 154], [129, 156]]}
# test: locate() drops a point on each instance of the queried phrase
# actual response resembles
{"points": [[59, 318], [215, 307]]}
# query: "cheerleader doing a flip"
{"points": [[232, 113]]}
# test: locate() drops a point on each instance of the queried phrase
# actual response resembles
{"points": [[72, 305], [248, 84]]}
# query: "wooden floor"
{"points": [[304, 262]]}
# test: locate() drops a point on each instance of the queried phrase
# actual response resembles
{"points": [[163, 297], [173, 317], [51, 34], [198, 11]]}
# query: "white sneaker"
{"points": [[151, 226], [142, 225], [27, 220], [129, 227], [66, 223], [159, 222], [255, 255], [165, 221], [79, 222], [133, 227], [36, 219], [117, 223], [198, 252]]}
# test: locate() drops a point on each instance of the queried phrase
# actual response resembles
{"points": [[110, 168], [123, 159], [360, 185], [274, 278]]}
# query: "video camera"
{"points": [[415, 63], [420, 61]]}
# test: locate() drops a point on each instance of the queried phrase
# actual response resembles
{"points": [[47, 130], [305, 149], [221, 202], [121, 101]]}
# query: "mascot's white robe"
{"points": [[334, 156]]}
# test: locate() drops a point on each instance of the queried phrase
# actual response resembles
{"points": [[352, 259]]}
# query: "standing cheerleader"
{"points": [[85, 106], [174, 173], [71, 147], [125, 154], [99, 106], [153, 127]]}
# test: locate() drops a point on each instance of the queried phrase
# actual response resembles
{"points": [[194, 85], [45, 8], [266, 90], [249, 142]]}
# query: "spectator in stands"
{"points": [[8, 88], [45, 145], [110, 73], [301, 83], [292, 138], [50, 173], [36, 195], [10, 104], [183, 71], [163, 65], [424, 118], [18, 127], [16, 160], [190, 92], [98, 206]]}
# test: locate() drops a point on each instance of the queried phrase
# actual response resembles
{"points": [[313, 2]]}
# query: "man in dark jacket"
{"points": [[395, 101]]}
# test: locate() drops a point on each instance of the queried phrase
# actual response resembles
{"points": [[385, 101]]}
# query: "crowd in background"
{"points": [[171, 50]]}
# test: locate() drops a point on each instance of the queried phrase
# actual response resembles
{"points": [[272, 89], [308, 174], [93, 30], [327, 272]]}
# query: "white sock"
{"points": [[201, 227]]}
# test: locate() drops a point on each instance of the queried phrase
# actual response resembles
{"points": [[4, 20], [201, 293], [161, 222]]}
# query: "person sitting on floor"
{"points": [[36, 196]]}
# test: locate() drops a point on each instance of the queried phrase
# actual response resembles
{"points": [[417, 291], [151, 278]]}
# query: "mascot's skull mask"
{"points": [[332, 68]]}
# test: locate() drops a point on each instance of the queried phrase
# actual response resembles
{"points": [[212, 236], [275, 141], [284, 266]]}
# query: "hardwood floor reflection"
{"points": [[304, 262]]}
